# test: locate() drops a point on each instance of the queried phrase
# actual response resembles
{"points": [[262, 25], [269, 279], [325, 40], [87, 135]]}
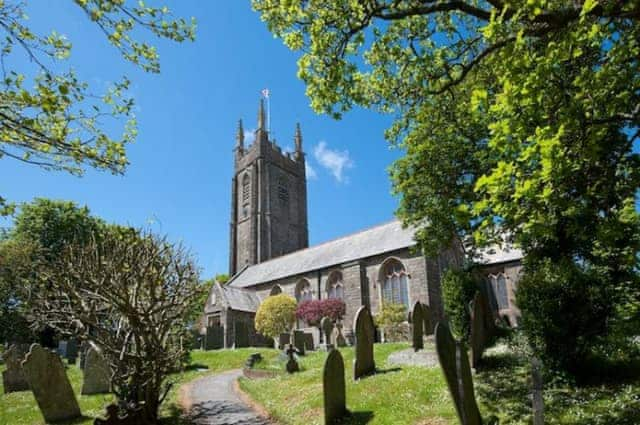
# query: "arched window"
{"points": [[246, 188], [303, 291], [501, 292], [395, 283], [335, 287], [275, 290]]}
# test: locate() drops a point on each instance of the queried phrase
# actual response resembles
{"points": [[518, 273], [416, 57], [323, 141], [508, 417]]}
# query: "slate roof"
{"points": [[366, 243], [241, 299], [497, 254]]}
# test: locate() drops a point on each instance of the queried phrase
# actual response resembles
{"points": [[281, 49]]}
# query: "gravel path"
{"points": [[213, 401]]}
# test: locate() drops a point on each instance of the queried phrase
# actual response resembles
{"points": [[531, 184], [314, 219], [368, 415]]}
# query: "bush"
{"points": [[313, 311], [565, 313], [392, 319], [276, 315], [458, 289]]}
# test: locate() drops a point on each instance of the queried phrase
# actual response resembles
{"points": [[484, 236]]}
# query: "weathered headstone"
{"points": [[327, 329], [364, 363], [284, 340], [417, 322], [13, 378], [97, 375], [340, 340], [455, 366], [112, 418], [84, 347], [334, 388], [50, 385], [292, 363], [538, 400], [426, 316], [308, 342], [482, 328], [62, 348], [298, 341], [72, 351]]}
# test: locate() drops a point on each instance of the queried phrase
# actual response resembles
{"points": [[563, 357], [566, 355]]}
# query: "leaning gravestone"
{"points": [[455, 366], [97, 375], [363, 364], [308, 342], [13, 378], [333, 385], [50, 385], [327, 329], [62, 348], [417, 321], [298, 341], [340, 341]]}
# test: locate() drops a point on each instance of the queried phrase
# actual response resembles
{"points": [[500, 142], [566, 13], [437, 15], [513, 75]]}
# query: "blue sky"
{"points": [[178, 182]]}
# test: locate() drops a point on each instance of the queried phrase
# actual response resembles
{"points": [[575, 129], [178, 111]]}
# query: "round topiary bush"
{"points": [[392, 319], [276, 315]]}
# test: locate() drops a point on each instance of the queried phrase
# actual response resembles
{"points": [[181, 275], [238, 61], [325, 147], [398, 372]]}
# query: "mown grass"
{"points": [[21, 409], [405, 395]]}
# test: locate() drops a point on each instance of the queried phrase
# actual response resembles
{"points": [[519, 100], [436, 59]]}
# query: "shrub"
{"points": [[392, 319], [458, 290], [565, 313], [276, 315], [313, 311]]}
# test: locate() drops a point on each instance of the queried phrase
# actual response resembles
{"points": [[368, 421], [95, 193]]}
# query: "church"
{"points": [[270, 253]]}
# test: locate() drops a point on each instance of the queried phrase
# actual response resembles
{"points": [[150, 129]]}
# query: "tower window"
{"points": [[246, 188], [283, 192]]}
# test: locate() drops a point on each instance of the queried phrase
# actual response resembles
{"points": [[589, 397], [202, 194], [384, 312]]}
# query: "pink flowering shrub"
{"points": [[314, 310]]}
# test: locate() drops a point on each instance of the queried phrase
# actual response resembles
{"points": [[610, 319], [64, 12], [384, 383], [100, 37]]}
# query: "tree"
{"points": [[276, 315], [42, 229], [458, 289], [392, 319], [49, 117], [312, 311], [517, 119], [129, 293]]}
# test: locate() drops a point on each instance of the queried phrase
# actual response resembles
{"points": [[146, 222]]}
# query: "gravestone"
{"points": [[84, 347], [13, 378], [327, 328], [50, 385], [72, 351], [428, 323], [363, 364], [252, 360], [131, 418], [97, 375], [308, 342], [417, 322], [455, 366], [538, 400], [334, 388], [284, 340], [340, 340], [298, 341], [481, 328], [292, 363], [62, 348]]}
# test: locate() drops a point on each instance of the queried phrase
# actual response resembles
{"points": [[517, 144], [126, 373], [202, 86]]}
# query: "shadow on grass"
{"points": [[389, 370], [357, 418], [78, 420], [195, 366]]}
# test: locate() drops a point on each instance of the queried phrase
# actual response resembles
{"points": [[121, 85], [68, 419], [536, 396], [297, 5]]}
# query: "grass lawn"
{"points": [[415, 395], [21, 409]]}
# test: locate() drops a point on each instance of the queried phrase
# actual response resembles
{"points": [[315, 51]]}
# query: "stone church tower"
{"points": [[268, 199]]}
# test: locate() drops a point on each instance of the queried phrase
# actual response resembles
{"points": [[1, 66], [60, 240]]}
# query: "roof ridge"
{"points": [[348, 235]]}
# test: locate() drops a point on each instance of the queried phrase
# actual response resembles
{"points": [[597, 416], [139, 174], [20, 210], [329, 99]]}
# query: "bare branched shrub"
{"points": [[129, 293]]}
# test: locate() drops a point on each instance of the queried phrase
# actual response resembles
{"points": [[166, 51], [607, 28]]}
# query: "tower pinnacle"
{"points": [[240, 136], [261, 116], [297, 140]]}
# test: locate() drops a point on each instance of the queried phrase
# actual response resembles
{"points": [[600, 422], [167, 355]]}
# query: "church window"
{"points": [[395, 283], [335, 287], [283, 192], [275, 290], [303, 291], [500, 291]]}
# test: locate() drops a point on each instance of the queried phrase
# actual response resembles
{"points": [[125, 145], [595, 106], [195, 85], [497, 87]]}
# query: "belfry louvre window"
{"points": [[283, 192], [246, 188], [395, 286]]}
